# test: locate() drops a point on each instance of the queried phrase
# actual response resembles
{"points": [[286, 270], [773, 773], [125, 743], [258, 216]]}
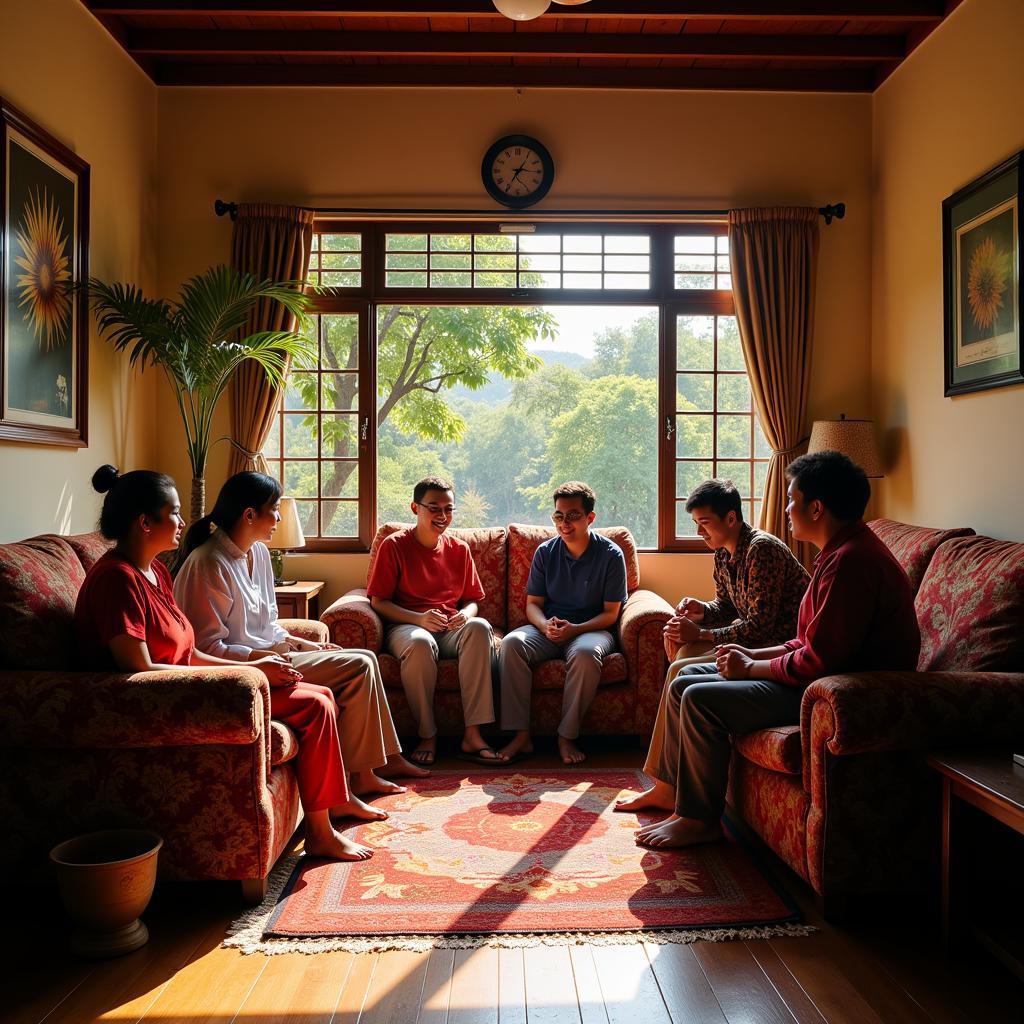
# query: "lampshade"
{"points": [[522, 10], [288, 534], [855, 438]]}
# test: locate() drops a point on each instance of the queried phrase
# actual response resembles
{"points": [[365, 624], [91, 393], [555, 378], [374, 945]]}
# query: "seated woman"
{"points": [[226, 588], [126, 618]]}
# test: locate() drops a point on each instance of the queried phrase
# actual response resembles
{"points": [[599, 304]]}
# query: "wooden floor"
{"points": [[880, 973]]}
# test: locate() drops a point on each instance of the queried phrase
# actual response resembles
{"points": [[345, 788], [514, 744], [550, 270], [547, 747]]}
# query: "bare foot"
{"points": [[355, 808], [398, 766], [569, 752], [335, 846], [660, 797], [519, 744], [675, 832], [368, 783]]}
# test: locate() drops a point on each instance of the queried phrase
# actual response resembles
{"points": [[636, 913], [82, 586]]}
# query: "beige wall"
{"points": [[613, 150], [59, 66], [952, 111]]}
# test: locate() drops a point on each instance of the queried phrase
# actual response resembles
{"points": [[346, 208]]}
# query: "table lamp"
{"points": [[855, 438], [287, 536]]}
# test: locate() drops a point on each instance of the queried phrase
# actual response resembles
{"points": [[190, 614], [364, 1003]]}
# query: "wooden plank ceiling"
{"points": [[807, 45]]}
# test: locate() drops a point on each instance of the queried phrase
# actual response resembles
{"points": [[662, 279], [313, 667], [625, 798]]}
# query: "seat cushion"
{"points": [[39, 583], [777, 749], [971, 607], [487, 546], [523, 541], [914, 546], [90, 547]]}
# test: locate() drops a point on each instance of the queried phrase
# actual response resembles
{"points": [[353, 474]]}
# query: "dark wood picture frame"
{"points": [[44, 238], [981, 269]]}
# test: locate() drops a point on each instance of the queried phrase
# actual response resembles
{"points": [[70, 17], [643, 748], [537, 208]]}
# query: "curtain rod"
{"points": [[830, 211]]}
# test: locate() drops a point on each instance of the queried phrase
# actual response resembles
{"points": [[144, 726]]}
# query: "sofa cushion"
{"points": [[914, 546], [971, 607], [487, 545], [90, 547], [777, 749], [523, 541], [39, 583]]}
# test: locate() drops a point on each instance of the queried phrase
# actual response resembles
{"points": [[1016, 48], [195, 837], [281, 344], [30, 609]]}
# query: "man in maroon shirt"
{"points": [[856, 616]]}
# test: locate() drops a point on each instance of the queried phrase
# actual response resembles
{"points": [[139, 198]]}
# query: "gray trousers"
{"points": [[527, 646], [702, 711], [418, 651]]}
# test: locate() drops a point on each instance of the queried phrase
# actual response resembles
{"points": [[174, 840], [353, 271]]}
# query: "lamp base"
{"points": [[277, 564]]}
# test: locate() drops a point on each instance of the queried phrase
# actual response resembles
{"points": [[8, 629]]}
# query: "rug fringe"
{"points": [[245, 933]]}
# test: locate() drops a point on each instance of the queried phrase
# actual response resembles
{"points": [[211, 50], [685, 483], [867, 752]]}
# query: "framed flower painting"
{"points": [[44, 256], [981, 259]]}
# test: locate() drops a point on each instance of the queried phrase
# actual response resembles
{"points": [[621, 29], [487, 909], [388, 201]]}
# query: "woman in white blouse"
{"points": [[226, 588]]}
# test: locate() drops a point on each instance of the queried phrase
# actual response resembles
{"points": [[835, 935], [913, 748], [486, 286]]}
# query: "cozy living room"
{"points": [[553, 437]]}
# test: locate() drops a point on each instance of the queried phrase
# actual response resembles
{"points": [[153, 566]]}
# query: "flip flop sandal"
{"points": [[476, 757], [423, 758]]}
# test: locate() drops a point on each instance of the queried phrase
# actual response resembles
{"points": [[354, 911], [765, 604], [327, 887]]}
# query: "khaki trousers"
{"points": [[688, 654], [527, 646], [418, 651], [365, 728]]}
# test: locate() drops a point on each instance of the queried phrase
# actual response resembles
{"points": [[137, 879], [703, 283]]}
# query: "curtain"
{"points": [[774, 257], [271, 243]]}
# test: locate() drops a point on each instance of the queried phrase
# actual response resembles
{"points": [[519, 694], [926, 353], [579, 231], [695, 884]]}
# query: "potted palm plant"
{"points": [[198, 342]]}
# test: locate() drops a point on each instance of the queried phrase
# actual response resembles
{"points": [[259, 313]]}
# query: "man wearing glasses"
{"points": [[425, 585], [576, 589]]}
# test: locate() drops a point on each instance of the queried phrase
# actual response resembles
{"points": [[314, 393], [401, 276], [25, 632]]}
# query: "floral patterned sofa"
{"points": [[196, 757], [845, 797], [631, 679]]}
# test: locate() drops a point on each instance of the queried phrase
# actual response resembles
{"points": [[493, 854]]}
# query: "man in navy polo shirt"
{"points": [[576, 589]]}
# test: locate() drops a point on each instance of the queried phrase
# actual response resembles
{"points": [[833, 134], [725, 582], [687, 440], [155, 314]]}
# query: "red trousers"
{"points": [[311, 712]]}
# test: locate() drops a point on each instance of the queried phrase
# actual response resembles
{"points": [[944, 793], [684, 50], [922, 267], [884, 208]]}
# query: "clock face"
{"points": [[518, 171]]}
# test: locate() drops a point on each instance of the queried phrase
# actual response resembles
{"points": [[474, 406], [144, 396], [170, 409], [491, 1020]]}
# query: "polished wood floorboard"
{"points": [[882, 972]]}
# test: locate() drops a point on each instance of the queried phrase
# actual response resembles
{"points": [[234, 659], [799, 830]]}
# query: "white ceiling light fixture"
{"points": [[522, 10]]}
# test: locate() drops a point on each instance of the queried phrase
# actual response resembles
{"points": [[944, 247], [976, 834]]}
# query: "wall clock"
{"points": [[517, 171]]}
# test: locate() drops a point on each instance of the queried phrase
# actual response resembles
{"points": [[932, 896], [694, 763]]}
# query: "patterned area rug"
{"points": [[514, 858]]}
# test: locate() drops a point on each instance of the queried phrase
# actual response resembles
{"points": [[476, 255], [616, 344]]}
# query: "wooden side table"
{"points": [[990, 781], [300, 600]]}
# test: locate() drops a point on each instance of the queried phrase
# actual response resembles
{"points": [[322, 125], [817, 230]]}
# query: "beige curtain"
{"points": [[774, 258], [270, 242]]}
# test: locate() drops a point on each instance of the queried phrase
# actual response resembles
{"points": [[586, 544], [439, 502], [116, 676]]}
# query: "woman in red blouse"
{"points": [[126, 618]]}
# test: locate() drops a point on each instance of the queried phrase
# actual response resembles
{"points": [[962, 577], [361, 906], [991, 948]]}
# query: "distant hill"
{"points": [[500, 390]]}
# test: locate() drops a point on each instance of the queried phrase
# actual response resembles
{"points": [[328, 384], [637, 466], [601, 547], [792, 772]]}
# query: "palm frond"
{"points": [[126, 318]]}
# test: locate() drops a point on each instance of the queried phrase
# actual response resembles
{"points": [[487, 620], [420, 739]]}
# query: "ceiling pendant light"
{"points": [[522, 10]]}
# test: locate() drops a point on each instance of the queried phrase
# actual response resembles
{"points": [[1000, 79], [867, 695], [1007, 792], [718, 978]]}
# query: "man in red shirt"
{"points": [[425, 585], [856, 616]]}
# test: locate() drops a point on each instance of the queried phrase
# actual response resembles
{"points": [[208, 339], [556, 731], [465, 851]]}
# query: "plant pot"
{"points": [[106, 881]]}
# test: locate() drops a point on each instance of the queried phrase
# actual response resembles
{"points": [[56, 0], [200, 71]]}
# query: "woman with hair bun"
{"points": [[126, 618], [226, 588]]}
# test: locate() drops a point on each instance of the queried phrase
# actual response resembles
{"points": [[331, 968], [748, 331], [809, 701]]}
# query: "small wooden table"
{"points": [[991, 781], [299, 600]]}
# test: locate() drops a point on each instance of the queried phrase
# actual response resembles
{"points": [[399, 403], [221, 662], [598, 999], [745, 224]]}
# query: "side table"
{"points": [[299, 600], [990, 781]]}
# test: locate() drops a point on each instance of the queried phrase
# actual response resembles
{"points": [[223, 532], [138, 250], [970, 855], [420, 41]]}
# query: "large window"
{"points": [[511, 362]]}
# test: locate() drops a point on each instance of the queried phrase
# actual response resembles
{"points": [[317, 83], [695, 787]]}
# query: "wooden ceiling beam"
{"points": [[762, 10], [839, 80], [171, 42]]}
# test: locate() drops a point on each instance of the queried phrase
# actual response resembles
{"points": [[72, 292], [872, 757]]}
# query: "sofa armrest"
{"points": [[308, 629], [142, 709], [888, 711], [640, 636], [353, 622]]}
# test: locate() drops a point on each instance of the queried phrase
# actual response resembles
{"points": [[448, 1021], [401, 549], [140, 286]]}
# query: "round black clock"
{"points": [[517, 171]]}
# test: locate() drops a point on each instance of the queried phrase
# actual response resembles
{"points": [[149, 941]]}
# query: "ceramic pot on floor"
{"points": [[106, 881]]}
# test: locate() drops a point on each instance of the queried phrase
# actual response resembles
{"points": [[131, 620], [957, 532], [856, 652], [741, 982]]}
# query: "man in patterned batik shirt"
{"points": [[758, 588]]}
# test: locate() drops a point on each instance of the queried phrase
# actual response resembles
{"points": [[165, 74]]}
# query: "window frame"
{"points": [[373, 292]]}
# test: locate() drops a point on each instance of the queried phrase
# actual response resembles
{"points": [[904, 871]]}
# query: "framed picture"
{"points": [[981, 258], [44, 254]]}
